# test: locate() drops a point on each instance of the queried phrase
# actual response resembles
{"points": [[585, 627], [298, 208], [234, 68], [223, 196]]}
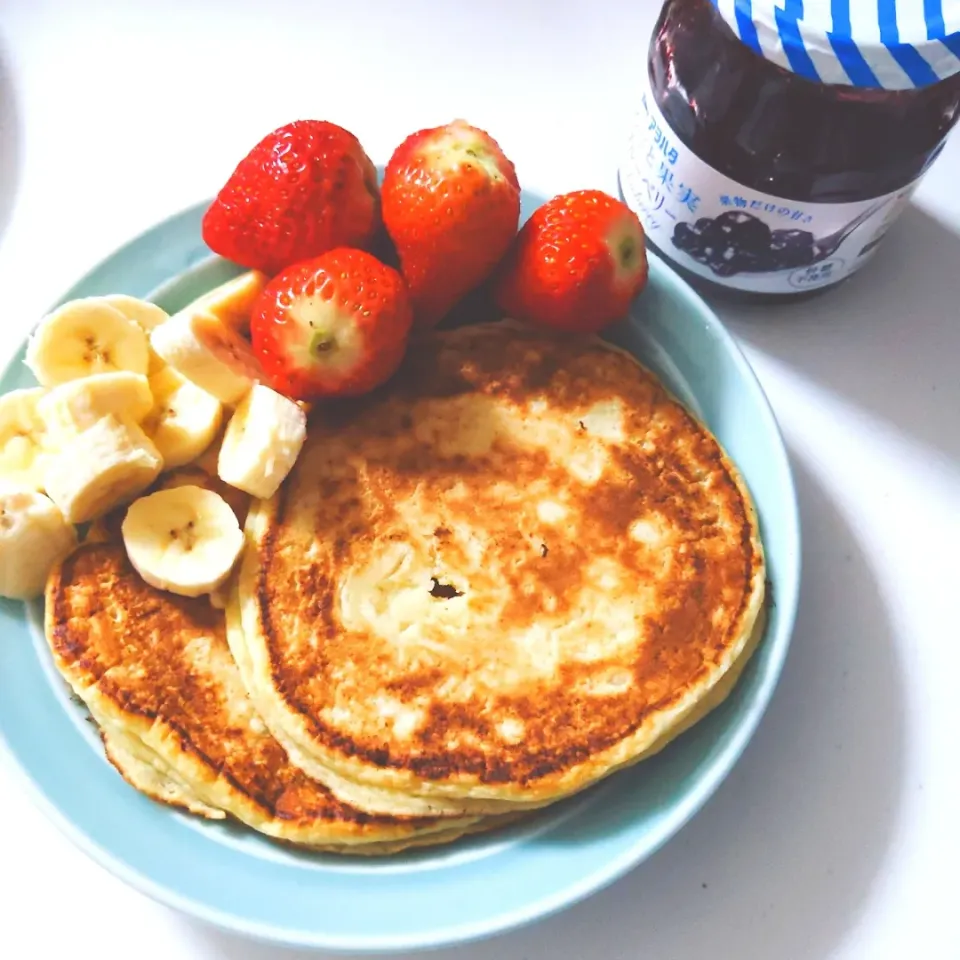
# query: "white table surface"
{"points": [[838, 834]]}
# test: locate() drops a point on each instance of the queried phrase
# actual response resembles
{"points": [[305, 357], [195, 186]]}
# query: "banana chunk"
{"points": [[185, 540], [101, 468], [78, 404], [147, 316], [143, 313], [84, 337], [34, 538], [262, 442], [207, 461], [194, 476], [184, 419], [24, 441], [232, 302], [207, 352]]}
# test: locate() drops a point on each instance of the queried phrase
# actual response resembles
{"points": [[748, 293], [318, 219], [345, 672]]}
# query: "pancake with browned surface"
{"points": [[519, 567], [156, 672]]}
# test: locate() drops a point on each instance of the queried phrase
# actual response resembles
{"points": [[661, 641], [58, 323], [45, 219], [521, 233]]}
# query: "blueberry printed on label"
{"points": [[738, 242], [793, 248]]}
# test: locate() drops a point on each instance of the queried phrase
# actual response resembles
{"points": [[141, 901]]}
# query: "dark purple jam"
{"points": [[774, 131], [754, 179]]}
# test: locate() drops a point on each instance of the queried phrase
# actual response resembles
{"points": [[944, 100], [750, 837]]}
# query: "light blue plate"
{"points": [[233, 878]]}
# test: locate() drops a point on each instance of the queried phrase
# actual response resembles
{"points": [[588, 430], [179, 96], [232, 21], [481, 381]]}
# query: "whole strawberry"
{"points": [[451, 204], [336, 325], [575, 265], [305, 188]]}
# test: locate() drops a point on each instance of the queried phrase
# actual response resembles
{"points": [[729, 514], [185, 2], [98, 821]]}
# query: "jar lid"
{"points": [[885, 44]]}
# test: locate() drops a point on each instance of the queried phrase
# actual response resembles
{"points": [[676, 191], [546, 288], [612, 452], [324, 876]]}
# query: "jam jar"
{"points": [[777, 140]]}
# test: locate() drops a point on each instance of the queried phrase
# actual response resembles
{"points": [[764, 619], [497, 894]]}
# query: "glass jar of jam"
{"points": [[777, 140]]}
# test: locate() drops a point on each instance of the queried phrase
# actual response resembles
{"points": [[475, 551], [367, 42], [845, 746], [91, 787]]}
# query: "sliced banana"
{"points": [[195, 476], [101, 468], [147, 316], [184, 540], [84, 337], [184, 419], [232, 302], [208, 352], [78, 404], [262, 442], [220, 597], [207, 461], [34, 538], [24, 443]]}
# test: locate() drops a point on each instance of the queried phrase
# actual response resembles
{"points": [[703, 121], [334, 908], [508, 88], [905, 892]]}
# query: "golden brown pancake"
{"points": [[157, 675], [519, 567]]}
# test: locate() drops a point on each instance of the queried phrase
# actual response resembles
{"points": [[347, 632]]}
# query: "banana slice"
{"points": [[143, 313], [147, 316], [24, 443], [78, 404], [84, 337], [101, 468], [206, 351], [219, 599], [207, 461], [262, 442], [184, 419], [232, 302], [34, 538], [184, 540], [194, 476]]}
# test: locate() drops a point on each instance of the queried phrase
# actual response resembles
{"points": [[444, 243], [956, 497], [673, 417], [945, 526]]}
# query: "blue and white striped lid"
{"points": [[885, 44]]}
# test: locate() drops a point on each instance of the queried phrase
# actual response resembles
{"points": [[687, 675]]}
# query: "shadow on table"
{"points": [[887, 340], [781, 861], [10, 142]]}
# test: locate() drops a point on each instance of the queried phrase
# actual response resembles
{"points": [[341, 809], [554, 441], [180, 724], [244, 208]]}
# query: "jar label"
{"points": [[736, 236]]}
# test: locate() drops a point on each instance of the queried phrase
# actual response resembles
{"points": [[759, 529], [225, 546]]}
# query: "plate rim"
{"points": [[693, 800]]}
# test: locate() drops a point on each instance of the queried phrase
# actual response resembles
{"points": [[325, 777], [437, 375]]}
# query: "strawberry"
{"points": [[336, 325], [575, 265], [305, 188], [451, 204]]}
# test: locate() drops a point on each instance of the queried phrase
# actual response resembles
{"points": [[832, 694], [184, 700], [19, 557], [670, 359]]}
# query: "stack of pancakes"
{"points": [[518, 568]]}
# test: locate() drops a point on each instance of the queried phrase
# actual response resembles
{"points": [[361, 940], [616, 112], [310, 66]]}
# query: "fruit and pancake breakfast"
{"points": [[379, 543]]}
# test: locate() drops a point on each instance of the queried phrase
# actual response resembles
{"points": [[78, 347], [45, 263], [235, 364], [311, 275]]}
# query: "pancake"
{"points": [[519, 567], [156, 673]]}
